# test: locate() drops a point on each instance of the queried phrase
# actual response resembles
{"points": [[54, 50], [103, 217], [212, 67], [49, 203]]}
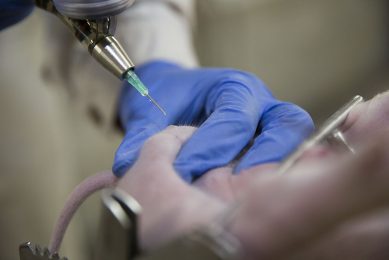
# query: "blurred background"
{"points": [[316, 53], [311, 52]]}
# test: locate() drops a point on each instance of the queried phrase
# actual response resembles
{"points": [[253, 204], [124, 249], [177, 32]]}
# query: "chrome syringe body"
{"points": [[97, 35]]}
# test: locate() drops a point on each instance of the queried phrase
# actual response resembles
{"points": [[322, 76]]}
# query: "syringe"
{"points": [[134, 80], [97, 35]]}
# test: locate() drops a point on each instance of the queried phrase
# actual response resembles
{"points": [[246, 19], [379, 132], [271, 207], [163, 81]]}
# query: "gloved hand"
{"points": [[13, 11], [229, 106]]}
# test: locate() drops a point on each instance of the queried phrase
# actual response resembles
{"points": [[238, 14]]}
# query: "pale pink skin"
{"points": [[278, 216]]}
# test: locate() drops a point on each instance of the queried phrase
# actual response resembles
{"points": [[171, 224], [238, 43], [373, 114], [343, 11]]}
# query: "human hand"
{"points": [[278, 216], [229, 106], [13, 11]]}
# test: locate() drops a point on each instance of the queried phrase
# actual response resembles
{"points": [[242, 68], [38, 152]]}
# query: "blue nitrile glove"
{"points": [[13, 11], [229, 106]]}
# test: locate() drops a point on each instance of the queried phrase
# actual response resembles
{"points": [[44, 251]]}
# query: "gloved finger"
{"points": [[283, 127], [160, 150], [235, 107], [13, 11]]}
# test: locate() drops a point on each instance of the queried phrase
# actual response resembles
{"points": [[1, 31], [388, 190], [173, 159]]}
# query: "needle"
{"points": [[133, 79], [156, 104]]}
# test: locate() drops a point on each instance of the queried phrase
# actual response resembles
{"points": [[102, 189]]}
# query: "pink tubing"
{"points": [[76, 198]]}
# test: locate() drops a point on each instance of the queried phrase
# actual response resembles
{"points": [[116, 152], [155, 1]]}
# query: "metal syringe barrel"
{"points": [[109, 53], [97, 36]]}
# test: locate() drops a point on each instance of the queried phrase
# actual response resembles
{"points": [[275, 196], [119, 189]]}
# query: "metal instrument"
{"points": [[29, 251], [328, 132], [97, 36]]}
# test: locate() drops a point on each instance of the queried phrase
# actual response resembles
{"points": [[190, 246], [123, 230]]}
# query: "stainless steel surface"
{"points": [[29, 251], [329, 129], [109, 53]]}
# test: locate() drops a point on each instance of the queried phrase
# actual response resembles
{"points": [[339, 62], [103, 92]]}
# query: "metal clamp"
{"points": [[97, 36]]}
